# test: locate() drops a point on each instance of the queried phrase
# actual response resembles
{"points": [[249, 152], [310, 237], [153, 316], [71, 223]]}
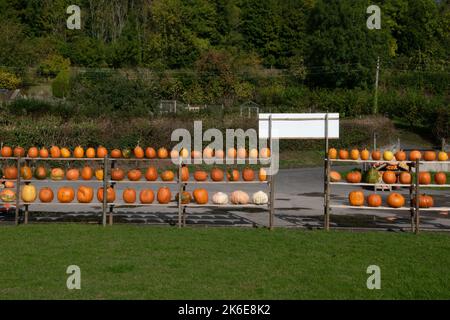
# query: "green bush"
{"points": [[61, 84], [53, 65], [38, 108], [8, 80]]}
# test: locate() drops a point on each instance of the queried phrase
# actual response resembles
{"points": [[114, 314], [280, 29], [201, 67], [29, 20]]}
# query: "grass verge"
{"points": [[132, 262]]}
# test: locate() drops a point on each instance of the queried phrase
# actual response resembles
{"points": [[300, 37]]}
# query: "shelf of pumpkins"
{"points": [[84, 195], [390, 178]]}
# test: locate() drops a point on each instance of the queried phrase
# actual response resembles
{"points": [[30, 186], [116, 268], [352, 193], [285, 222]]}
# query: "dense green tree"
{"points": [[342, 51], [420, 30]]}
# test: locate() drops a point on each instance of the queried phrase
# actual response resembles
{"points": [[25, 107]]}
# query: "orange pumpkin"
{"points": [[184, 153], [146, 196], [151, 174], [163, 153], [129, 195], [233, 175], [78, 152], [110, 195], [374, 200], [10, 172], [90, 153], [389, 177], [376, 155], [184, 174], [102, 152], [65, 153], [219, 154], [85, 194], [264, 153], [139, 152], [46, 195], [117, 174], [425, 201], [200, 175], [57, 174], [405, 178], [150, 153], [395, 200], [66, 194], [354, 177], [253, 154], [9, 184], [19, 152], [424, 178], [134, 175], [343, 154], [116, 153], [174, 154], [241, 153], [43, 153], [26, 172], [332, 153], [262, 176], [87, 173], [200, 196], [400, 155], [167, 175], [248, 174], [415, 155], [335, 176], [442, 156], [365, 155], [195, 154], [356, 198], [429, 156], [164, 195], [73, 174], [99, 174], [55, 152], [6, 152], [231, 153], [33, 152], [217, 174], [208, 153], [354, 154], [440, 178]]}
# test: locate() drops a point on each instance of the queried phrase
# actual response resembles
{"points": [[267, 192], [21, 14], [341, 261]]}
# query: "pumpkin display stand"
{"points": [[268, 185], [414, 187], [107, 182]]}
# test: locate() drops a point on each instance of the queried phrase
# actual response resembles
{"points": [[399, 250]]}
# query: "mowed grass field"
{"points": [[137, 262]]}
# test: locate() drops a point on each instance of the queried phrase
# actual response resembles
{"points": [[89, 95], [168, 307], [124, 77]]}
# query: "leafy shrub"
{"points": [[53, 65], [60, 86], [38, 108], [8, 80]]}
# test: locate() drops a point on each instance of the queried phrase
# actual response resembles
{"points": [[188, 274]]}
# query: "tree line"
{"points": [[322, 43]]}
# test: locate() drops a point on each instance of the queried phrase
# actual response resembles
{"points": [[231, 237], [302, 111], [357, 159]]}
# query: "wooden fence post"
{"points": [[105, 190], [18, 181]]}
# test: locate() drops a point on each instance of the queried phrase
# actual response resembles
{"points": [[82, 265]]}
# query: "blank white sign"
{"points": [[299, 125]]}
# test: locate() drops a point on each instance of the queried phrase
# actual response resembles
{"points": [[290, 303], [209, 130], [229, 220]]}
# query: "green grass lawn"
{"points": [[136, 262]]}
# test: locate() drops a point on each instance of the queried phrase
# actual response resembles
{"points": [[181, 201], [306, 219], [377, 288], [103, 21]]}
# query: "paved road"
{"points": [[299, 203]]}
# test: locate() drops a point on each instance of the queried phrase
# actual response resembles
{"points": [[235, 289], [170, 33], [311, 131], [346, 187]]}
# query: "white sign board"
{"points": [[299, 125]]}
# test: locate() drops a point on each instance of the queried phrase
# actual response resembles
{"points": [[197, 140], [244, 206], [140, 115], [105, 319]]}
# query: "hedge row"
{"points": [[117, 133]]}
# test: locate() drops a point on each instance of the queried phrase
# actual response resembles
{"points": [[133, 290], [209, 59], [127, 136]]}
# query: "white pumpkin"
{"points": [[260, 198], [239, 197], [220, 198]]}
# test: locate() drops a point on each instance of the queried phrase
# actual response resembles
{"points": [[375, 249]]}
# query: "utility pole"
{"points": [[377, 78]]}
